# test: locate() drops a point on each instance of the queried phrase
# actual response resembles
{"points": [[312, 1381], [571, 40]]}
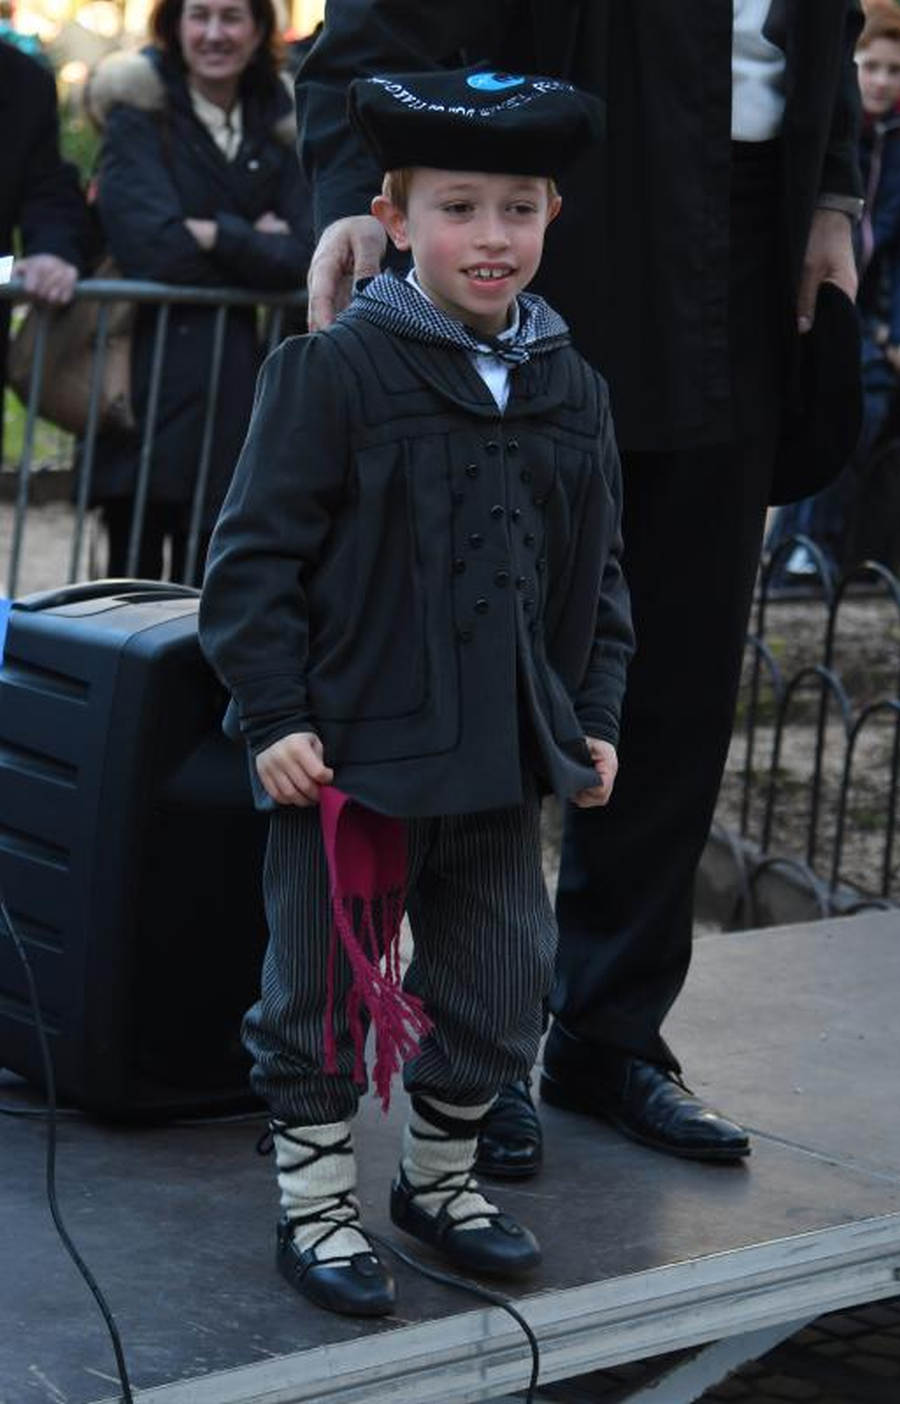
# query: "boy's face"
{"points": [[879, 76], [476, 239]]}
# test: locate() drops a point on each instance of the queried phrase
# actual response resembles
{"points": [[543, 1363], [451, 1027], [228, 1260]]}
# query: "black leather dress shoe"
{"points": [[651, 1105], [510, 1143], [504, 1248], [355, 1286]]}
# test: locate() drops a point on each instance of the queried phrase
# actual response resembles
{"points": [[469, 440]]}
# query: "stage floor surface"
{"points": [[792, 1030]]}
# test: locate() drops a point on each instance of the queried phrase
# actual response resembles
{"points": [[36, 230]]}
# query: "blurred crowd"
{"points": [[198, 183]]}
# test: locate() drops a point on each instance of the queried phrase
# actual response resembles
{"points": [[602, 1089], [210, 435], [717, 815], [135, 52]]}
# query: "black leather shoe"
{"points": [[503, 1248], [651, 1105], [510, 1143], [355, 1286]]}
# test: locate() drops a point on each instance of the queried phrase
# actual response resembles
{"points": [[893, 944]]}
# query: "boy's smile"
{"points": [[476, 239]]}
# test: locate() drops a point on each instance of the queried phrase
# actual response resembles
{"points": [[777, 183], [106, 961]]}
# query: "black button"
{"points": [[501, 577], [540, 563], [528, 606], [512, 445], [525, 475], [521, 582], [481, 606], [464, 634], [516, 513], [496, 511], [471, 470], [459, 566], [457, 497], [538, 501], [528, 538], [476, 540], [492, 446]]}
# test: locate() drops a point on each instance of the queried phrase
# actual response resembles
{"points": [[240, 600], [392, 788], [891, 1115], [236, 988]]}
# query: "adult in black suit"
{"points": [[39, 193], [688, 261]]}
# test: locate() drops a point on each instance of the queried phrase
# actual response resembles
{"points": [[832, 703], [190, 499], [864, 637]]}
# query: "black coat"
{"points": [[39, 192], [158, 166], [400, 568], [638, 261]]}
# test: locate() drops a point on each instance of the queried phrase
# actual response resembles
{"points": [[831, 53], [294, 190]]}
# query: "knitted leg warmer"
{"points": [[317, 1179]]}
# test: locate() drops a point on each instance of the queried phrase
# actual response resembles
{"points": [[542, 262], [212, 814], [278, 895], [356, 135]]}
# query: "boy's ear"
{"points": [[554, 208], [393, 219]]}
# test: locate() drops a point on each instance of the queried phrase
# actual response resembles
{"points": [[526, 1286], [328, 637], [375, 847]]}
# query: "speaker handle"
{"points": [[96, 589]]}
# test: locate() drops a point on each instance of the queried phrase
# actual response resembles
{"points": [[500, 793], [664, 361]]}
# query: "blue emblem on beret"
{"points": [[493, 82]]}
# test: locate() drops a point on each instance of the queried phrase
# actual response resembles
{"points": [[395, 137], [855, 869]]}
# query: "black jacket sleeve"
{"points": [[53, 217], [361, 37], [840, 173], [287, 487], [598, 702], [251, 258]]}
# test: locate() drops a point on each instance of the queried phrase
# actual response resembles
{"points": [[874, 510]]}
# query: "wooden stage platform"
{"points": [[794, 1031]]}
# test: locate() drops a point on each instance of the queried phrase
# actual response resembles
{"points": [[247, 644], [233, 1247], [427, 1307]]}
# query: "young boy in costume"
{"points": [[415, 598]]}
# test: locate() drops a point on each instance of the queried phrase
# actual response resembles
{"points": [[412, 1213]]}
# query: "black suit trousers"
{"points": [[693, 523]]}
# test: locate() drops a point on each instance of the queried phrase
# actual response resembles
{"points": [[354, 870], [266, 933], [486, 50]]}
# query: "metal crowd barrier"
{"points": [[164, 296], [837, 710]]}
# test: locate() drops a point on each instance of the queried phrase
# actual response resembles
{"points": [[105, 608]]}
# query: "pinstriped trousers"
{"points": [[484, 941]]}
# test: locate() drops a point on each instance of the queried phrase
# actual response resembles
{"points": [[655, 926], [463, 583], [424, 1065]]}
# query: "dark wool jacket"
{"points": [[158, 166], [431, 586], [637, 263], [39, 192]]}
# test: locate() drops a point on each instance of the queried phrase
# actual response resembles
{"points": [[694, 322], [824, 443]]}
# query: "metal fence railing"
{"points": [[814, 772], [104, 293]]}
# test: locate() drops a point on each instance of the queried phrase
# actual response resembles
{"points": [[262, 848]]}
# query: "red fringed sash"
{"points": [[366, 855]]}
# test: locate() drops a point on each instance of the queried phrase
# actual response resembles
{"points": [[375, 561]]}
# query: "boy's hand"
{"points": [[606, 763], [292, 769]]}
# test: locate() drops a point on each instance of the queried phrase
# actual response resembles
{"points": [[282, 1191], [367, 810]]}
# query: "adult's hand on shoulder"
{"points": [[349, 249], [50, 278], [829, 258]]}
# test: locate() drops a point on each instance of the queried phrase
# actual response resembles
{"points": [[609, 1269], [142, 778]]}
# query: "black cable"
{"points": [[51, 1115], [462, 1284]]}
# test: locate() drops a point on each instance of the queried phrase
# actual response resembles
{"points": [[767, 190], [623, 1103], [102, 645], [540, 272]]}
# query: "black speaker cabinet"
{"points": [[130, 854]]}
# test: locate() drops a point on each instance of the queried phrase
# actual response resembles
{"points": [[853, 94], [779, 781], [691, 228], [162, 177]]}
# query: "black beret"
{"points": [[472, 120]]}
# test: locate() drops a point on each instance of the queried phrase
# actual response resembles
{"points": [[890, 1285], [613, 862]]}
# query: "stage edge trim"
{"points": [[478, 1355]]}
